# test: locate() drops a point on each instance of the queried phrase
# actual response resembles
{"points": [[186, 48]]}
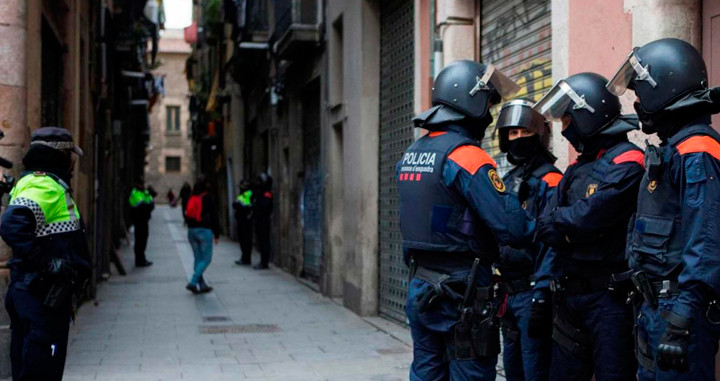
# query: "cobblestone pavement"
{"points": [[259, 325]]}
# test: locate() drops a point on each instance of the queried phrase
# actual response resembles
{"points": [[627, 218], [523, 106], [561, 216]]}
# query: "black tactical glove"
{"points": [[548, 233], [516, 259], [541, 311], [672, 349]]}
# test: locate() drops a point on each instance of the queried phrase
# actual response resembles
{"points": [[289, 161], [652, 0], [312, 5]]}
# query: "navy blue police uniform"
{"points": [[454, 207], [526, 358], [590, 211], [674, 241]]}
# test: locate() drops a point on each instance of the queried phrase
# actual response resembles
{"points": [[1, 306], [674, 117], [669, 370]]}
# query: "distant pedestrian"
{"points": [[203, 228], [185, 193], [141, 207], [172, 200], [243, 214], [262, 211]]}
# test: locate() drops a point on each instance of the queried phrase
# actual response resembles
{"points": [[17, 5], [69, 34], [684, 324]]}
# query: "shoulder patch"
{"points": [[696, 144], [471, 158], [496, 180], [632, 156], [552, 178]]}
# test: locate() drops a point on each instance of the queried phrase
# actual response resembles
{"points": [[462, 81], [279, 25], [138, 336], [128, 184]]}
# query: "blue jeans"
{"points": [[201, 241], [703, 345], [608, 322], [524, 358], [431, 331]]}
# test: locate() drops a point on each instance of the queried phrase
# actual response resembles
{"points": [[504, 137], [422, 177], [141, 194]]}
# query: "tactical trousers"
{"points": [[245, 236], [605, 323], [524, 358], [262, 233], [432, 331], [142, 231], [39, 336], [703, 345]]}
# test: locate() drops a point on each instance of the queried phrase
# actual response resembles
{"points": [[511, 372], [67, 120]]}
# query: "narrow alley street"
{"points": [[260, 325]]}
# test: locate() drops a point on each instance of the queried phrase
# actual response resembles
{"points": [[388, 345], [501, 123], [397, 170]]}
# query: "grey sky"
{"points": [[178, 13]]}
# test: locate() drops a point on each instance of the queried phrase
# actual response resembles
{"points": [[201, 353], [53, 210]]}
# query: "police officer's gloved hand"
{"points": [[519, 260], [548, 233], [672, 349], [541, 314]]}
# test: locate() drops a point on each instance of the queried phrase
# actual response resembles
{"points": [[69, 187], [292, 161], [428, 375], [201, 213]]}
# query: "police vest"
{"points": [[656, 244], [49, 198], [607, 247], [245, 198], [541, 179], [138, 197], [434, 217]]}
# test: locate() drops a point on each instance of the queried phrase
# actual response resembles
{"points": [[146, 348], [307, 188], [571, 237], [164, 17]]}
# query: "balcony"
{"points": [[297, 26]]}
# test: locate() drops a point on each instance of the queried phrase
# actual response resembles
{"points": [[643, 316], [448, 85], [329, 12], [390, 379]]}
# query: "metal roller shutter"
{"points": [[312, 185], [516, 37], [396, 134]]}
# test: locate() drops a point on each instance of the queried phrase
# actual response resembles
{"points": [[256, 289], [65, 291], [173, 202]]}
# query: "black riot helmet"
{"points": [[592, 109], [519, 113], [661, 72], [463, 92]]}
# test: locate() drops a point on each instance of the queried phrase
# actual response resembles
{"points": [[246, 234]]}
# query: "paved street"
{"points": [[260, 325]]}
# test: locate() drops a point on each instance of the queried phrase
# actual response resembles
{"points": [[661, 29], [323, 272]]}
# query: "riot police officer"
{"points": [[525, 136], [586, 222], [51, 261], [674, 239], [454, 209]]}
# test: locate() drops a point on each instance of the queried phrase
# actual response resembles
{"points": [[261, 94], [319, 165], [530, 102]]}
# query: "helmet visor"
{"points": [[519, 114], [505, 86], [631, 69], [555, 103]]}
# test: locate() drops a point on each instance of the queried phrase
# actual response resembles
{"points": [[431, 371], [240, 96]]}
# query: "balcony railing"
{"points": [[296, 24]]}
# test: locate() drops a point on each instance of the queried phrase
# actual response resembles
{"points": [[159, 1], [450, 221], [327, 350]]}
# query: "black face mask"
{"points": [[571, 134], [521, 150], [649, 126]]}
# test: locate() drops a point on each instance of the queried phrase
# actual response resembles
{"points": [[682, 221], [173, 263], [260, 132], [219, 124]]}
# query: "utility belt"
{"points": [[476, 334], [652, 290], [585, 285], [56, 286], [516, 286]]}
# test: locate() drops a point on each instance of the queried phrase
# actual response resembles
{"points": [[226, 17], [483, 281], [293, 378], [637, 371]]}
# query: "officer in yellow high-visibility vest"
{"points": [[141, 207], [243, 214], [51, 261]]}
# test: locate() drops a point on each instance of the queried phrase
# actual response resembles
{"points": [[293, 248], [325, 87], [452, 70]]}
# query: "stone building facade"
{"points": [[170, 160]]}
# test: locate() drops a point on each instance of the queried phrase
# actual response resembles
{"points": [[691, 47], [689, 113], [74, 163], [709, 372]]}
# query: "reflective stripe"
{"points": [[632, 156], [700, 144], [471, 158], [552, 178], [42, 228]]}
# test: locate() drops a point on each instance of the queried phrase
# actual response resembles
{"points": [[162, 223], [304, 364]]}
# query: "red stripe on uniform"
{"points": [[417, 178], [633, 156], [437, 133], [552, 178], [471, 158], [700, 144]]}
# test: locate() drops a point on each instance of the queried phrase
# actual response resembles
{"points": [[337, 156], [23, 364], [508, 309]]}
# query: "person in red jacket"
{"points": [[203, 229]]}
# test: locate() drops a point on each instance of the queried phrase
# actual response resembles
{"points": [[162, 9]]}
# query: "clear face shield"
{"points": [[631, 69], [505, 86], [555, 103], [520, 114]]}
